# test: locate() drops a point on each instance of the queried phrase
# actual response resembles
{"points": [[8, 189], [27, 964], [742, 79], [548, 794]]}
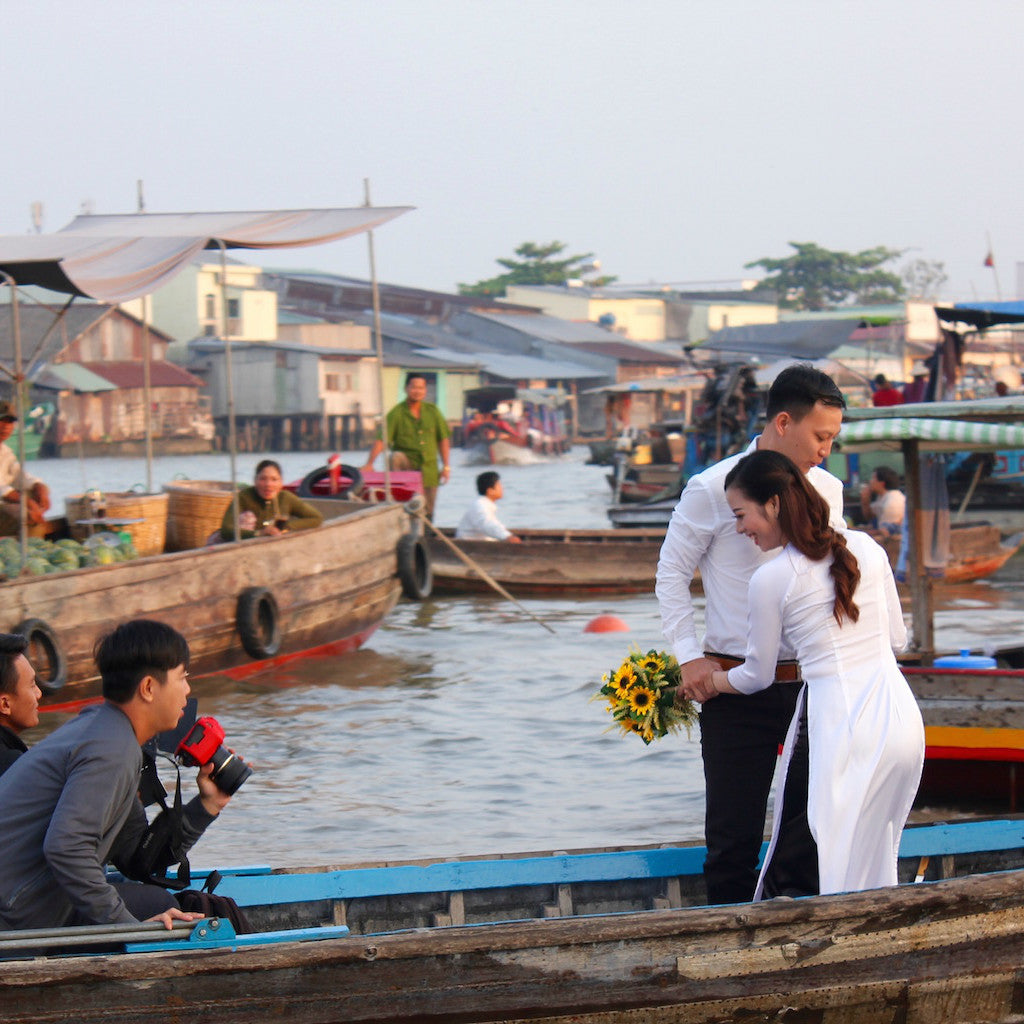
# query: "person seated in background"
{"points": [[267, 509], [73, 795], [37, 498], [19, 698], [916, 389], [480, 521], [882, 503], [884, 393]]}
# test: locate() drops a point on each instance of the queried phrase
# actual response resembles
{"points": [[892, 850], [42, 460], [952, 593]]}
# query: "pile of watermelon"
{"points": [[45, 556]]}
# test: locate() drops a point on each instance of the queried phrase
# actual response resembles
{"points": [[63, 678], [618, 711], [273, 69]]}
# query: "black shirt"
{"points": [[11, 748]]}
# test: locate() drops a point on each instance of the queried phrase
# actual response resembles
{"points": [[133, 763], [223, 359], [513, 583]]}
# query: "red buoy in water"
{"points": [[606, 624]]}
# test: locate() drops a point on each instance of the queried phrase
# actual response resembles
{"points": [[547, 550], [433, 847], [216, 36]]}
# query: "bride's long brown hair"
{"points": [[803, 519]]}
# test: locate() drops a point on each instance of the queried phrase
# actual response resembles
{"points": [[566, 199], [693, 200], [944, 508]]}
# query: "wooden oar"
{"points": [[483, 574]]}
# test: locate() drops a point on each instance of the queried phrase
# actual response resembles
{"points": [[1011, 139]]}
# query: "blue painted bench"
{"points": [[253, 888]]}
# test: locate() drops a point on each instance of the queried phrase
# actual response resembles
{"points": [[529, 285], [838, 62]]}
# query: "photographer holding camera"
{"points": [[71, 797]]}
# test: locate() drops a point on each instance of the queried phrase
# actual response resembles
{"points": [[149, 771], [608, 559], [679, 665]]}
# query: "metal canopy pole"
{"points": [[146, 381], [19, 408], [232, 442], [146, 394], [922, 598], [380, 351]]}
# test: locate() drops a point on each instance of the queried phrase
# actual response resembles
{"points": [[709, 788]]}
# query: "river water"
{"points": [[463, 727]]}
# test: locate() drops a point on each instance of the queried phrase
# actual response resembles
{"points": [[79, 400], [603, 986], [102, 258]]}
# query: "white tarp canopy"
{"points": [[931, 435], [114, 258], [995, 410]]}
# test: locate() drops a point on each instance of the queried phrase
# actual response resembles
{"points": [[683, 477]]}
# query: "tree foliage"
{"points": [[538, 264], [923, 279], [814, 278]]}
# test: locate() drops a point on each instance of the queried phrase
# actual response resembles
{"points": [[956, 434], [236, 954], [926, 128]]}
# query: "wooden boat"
{"points": [[647, 483], [648, 514], [241, 606], [977, 549], [552, 562], [974, 733], [600, 937], [509, 426]]}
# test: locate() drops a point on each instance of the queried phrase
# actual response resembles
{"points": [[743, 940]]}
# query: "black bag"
{"points": [[161, 846], [206, 902]]}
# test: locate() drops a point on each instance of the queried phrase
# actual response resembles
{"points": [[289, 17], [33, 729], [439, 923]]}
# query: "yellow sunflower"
{"points": [[623, 679], [641, 699], [652, 665]]}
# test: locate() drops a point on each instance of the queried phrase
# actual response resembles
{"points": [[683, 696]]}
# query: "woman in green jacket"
{"points": [[266, 509]]}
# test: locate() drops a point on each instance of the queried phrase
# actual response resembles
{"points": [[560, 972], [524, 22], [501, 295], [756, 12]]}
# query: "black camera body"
{"points": [[203, 744]]}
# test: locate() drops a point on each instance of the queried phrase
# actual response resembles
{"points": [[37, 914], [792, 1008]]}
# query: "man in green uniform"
{"points": [[417, 435]]}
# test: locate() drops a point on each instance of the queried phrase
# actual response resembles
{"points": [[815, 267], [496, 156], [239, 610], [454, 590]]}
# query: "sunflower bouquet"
{"points": [[640, 696]]}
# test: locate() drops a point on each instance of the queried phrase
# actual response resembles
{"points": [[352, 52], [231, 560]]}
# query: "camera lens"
{"points": [[229, 771]]}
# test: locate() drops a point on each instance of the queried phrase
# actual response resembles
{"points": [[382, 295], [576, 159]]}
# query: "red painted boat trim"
{"points": [[973, 754], [242, 672], [335, 647]]}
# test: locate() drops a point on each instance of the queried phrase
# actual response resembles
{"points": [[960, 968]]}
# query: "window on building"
{"points": [[233, 309], [210, 308], [332, 382]]}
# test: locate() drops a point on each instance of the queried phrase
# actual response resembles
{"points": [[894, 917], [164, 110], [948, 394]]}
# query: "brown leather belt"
{"points": [[785, 671]]}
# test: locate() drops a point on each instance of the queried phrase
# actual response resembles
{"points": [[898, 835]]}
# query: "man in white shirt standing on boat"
{"points": [[740, 742], [12, 480], [480, 521]]}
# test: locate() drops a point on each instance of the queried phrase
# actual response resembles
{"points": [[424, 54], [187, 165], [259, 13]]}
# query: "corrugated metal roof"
{"points": [[802, 339], [549, 328], [37, 323], [211, 344], [510, 366], [628, 352], [72, 377], [129, 374], [427, 359], [286, 316]]}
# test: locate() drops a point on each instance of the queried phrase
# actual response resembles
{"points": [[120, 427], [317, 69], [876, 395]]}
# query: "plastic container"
{"points": [[965, 660]]}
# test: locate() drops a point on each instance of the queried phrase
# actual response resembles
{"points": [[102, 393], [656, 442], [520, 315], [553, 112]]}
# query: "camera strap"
{"points": [[162, 844]]}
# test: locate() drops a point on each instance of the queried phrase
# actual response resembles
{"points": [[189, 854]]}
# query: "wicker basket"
{"points": [[195, 510], [148, 536]]}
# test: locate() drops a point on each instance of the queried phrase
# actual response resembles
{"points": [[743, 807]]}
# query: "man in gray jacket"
{"points": [[67, 799]]}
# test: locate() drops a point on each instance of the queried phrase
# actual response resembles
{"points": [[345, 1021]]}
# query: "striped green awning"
{"points": [[932, 435]]}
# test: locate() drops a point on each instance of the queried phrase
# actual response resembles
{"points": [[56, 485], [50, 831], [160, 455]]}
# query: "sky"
{"points": [[676, 140]]}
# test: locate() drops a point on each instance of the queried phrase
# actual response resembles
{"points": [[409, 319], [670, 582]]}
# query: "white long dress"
{"points": [[865, 733]]}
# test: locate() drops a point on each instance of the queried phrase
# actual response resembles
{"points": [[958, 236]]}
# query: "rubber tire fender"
{"points": [[258, 621], [414, 567], [305, 489], [47, 649]]}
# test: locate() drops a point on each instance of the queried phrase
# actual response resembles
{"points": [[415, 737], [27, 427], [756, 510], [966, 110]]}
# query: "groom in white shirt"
{"points": [[740, 739]]}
